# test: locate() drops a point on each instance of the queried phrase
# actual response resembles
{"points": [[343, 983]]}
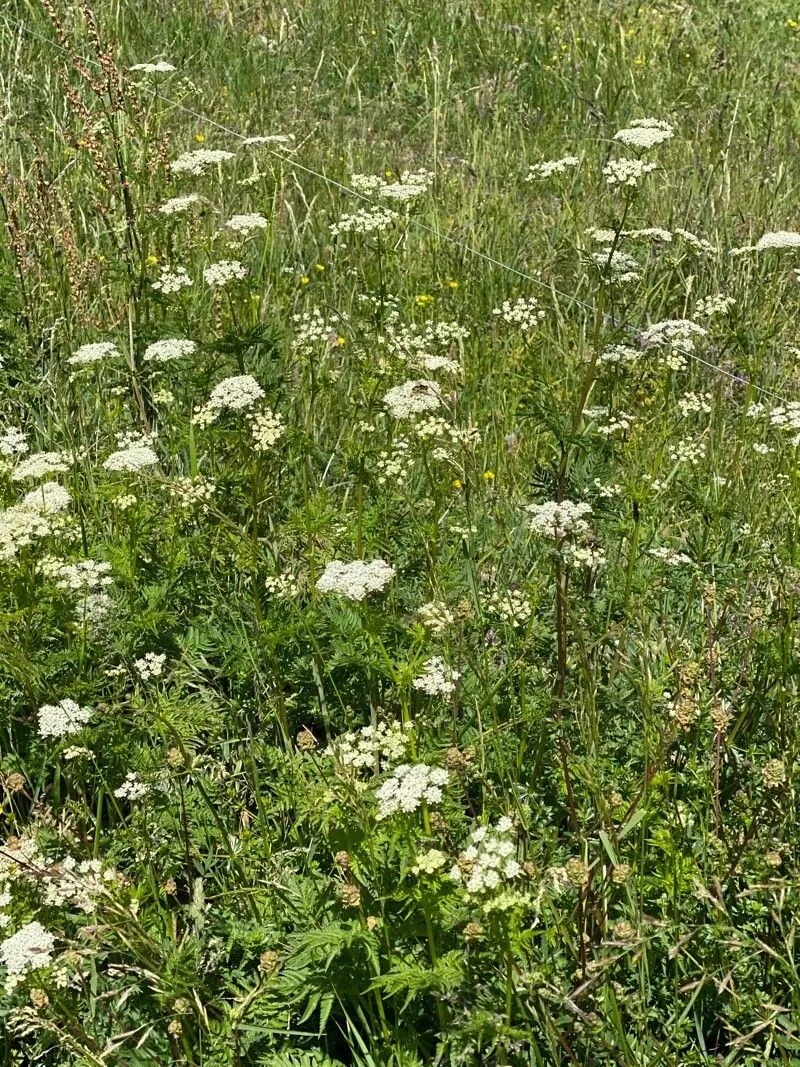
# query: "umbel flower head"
{"points": [[645, 133], [355, 580]]}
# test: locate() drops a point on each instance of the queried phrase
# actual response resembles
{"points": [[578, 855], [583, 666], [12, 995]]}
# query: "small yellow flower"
{"points": [[488, 476], [457, 483], [304, 280], [792, 24], [639, 61], [424, 299], [453, 284], [320, 267], [151, 260], [200, 138], [388, 174], [341, 341]]}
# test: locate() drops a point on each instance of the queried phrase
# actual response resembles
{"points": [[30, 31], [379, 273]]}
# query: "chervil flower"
{"points": [[66, 717], [355, 580]]}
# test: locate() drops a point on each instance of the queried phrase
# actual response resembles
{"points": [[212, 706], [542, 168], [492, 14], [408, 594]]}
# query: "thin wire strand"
{"points": [[432, 230]]}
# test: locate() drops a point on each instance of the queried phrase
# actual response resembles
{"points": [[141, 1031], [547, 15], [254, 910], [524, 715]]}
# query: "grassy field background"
{"points": [[525, 795]]}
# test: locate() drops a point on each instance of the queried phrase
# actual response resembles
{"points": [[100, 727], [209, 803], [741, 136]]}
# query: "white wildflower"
{"points": [[28, 949], [627, 172], [172, 281], [151, 665], [366, 220], [160, 67], [169, 349], [553, 166], [93, 353], [66, 717], [178, 204], [645, 133], [219, 274], [198, 161], [362, 749], [49, 498], [268, 428], [134, 457], [523, 312], [247, 223], [413, 398], [355, 580], [778, 239], [39, 465], [437, 679], [559, 519], [409, 787]]}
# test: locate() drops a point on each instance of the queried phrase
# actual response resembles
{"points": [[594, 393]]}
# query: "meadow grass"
{"points": [[398, 542]]}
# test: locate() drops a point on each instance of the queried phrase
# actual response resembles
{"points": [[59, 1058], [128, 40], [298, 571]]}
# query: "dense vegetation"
{"points": [[399, 562]]}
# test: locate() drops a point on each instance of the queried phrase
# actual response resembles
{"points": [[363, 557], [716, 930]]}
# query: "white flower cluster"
{"points": [[362, 749], [719, 304], [679, 335], [85, 575], [268, 428], [787, 416], [66, 717], [620, 354], [626, 172], [270, 138], [437, 679], [365, 220], [169, 349], [553, 166], [191, 492], [12, 441], [412, 184], [523, 312], [282, 586], [557, 520], [219, 274], [89, 579], [172, 281], [670, 556], [76, 882], [198, 161], [30, 948], [49, 498], [697, 244], [490, 860], [509, 606], [778, 239], [93, 353], [40, 464], [151, 665], [395, 466], [237, 393], [355, 580], [649, 233], [413, 398], [134, 455], [178, 204], [645, 133], [133, 788], [619, 265], [410, 786], [687, 451], [436, 617], [695, 403], [160, 67], [610, 422], [247, 223], [312, 330], [19, 527]]}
